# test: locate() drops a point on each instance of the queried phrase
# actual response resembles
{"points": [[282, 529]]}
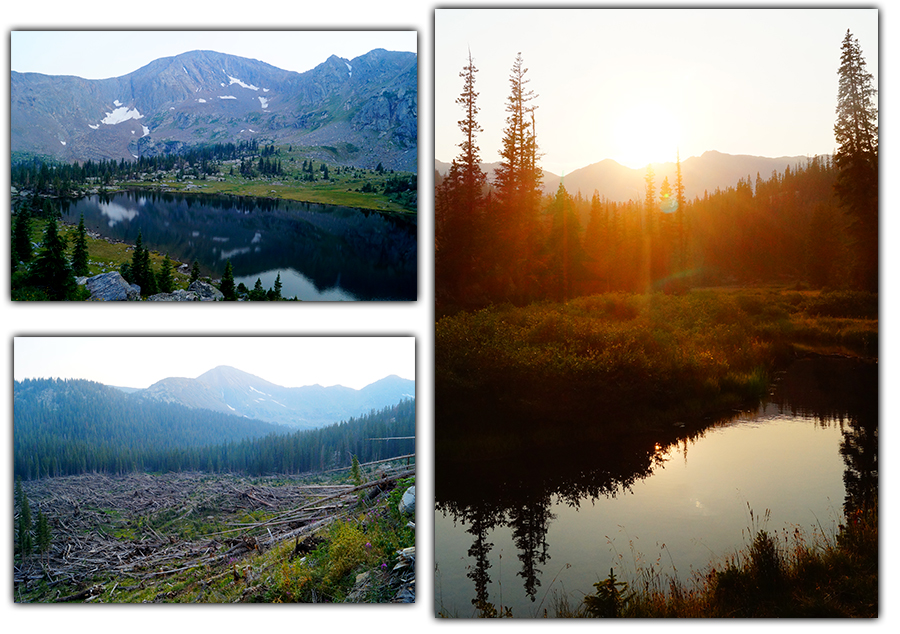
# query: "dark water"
{"points": [[513, 534], [322, 252]]}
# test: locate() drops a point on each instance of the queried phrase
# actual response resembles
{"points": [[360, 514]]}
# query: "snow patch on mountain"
{"points": [[121, 114], [227, 97], [235, 80], [263, 102]]}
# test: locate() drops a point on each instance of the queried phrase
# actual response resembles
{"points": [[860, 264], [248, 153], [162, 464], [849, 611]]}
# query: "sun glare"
{"points": [[647, 133]]}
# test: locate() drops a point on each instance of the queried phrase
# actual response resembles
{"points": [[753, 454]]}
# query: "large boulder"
{"points": [[111, 287], [206, 291], [407, 504]]}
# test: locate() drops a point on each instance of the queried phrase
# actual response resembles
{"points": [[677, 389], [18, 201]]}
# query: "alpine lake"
{"points": [[321, 252]]}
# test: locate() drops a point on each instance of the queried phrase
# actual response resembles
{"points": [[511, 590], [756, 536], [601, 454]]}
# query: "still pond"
{"points": [[513, 535]]}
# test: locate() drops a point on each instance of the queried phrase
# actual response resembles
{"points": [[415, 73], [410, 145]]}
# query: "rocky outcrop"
{"points": [[197, 292], [111, 287]]}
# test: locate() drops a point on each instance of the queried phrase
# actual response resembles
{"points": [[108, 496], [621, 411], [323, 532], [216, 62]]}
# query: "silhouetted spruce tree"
{"points": [[518, 183], [195, 272], [459, 204], [51, 270], [80, 250], [856, 159]]}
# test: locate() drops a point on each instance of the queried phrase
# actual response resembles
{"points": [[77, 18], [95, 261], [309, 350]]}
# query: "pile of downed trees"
{"points": [[119, 525]]}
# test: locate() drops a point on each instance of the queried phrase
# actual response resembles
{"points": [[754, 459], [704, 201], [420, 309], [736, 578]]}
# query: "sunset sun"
{"points": [[646, 133]]}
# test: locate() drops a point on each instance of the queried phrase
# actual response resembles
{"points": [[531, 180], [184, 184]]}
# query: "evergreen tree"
{"points": [[355, 472], [277, 289], [856, 159], [227, 284], [518, 183], [565, 255], [139, 265], [43, 537], [51, 270], [22, 235], [680, 204], [459, 204], [195, 272], [258, 294], [80, 251], [165, 281]]}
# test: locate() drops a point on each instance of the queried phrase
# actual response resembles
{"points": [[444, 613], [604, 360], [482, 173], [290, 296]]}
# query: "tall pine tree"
{"points": [[518, 182], [459, 230], [856, 159]]}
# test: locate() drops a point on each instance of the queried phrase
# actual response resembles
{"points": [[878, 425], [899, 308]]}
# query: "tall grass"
{"points": [[631, 360]]}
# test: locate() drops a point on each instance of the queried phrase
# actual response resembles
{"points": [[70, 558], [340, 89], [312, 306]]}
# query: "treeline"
{"points": [[505, 241], [66, 427], [377, 435], [48, 177]]}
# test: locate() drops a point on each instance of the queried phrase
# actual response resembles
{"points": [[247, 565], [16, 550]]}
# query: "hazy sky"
{"points": [[637, 85], [103, 54], [287, 361]]}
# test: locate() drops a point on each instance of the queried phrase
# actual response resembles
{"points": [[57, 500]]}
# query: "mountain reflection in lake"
{"points": [[322, 252], [509, 535]]}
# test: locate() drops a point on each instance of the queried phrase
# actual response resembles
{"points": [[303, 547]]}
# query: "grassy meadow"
{"points": [[628, 362]]}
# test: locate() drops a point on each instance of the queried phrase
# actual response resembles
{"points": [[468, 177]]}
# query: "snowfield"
{"points": [[235, 80], [121, 114]]}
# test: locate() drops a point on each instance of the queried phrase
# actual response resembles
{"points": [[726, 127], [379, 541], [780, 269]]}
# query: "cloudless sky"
{"points": [[287, 361], [639, 85], [104, 54]]}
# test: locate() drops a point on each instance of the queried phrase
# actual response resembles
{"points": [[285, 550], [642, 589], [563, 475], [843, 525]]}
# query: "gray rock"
{"points": [[112, 287], [408, 501], [197, 292], [206, 291], [180, 295]]}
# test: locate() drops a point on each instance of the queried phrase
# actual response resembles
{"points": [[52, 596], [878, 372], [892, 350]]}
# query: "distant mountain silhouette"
{"points": [[706, 173], [232, 391]]}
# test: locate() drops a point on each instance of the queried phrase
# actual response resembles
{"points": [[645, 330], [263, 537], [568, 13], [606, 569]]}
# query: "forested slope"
{"points": [[65, 427]]}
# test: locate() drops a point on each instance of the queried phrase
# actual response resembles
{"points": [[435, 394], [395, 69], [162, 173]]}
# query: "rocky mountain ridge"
{"points": [[364, 110]]}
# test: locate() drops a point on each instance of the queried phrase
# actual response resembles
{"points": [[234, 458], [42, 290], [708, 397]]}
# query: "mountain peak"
{"points": [[203, 96]]}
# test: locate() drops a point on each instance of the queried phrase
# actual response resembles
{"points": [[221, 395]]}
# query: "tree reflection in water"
{"points": [[519, 491]]}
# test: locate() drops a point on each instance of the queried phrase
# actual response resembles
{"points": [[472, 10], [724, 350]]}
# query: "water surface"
{"points": [[510, 534], [321, 252]]}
